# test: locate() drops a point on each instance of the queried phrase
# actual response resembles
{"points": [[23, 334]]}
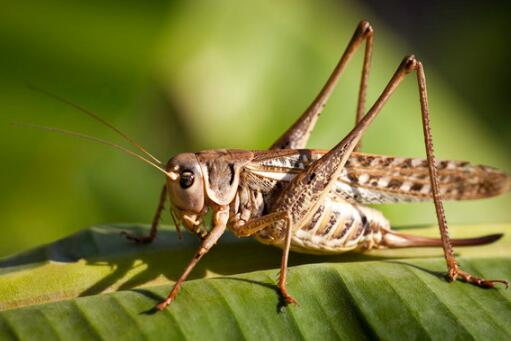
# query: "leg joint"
{"points": [[365, 29], [202, 251], [410, 63]]}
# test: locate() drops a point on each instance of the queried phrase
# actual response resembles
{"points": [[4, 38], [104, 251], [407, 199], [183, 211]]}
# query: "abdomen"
{"points": [[336, 226]]}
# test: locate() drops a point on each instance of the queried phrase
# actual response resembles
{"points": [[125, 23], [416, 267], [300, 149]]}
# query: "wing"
{"points": [[371, 179]]}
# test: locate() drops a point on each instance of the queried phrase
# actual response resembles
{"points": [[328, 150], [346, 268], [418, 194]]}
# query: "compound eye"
{"points": [[186, 179]]}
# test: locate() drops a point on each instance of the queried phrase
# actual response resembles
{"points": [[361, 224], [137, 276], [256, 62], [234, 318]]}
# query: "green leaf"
{"points": [[96, 284]]}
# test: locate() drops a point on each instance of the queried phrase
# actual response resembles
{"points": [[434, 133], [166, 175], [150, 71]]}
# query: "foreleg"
{"points": [[155, 223], [219, 224]]}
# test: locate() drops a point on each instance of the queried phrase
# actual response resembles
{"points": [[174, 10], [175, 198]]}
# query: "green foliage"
{"points": [[96, 284]]}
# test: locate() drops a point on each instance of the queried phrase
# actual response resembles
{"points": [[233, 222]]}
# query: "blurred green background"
{"points": [[186, 76]]}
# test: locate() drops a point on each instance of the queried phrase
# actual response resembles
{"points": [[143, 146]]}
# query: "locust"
{"points": [[315, 201]]}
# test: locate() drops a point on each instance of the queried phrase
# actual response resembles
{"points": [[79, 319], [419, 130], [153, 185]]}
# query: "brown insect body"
{"points": [[311, 200], [249, 182]]}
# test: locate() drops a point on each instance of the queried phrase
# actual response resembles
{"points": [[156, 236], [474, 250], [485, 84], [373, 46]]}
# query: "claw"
{"points": [[480, 282], [163, 305], [290, 299]]}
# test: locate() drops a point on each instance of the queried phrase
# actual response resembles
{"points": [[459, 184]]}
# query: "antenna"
{"points": [[94, 139], [96, 117]]}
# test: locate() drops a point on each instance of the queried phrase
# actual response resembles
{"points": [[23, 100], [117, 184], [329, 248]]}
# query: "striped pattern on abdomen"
{"points": [[337, 226]]}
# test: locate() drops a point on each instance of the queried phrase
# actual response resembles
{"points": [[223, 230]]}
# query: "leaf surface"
{"points": [[96, 284]]}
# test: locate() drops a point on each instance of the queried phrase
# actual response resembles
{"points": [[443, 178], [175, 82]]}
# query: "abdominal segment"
{"points": [[337, 226]]}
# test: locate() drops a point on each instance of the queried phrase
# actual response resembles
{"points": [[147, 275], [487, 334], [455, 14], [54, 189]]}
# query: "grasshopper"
{"points": [[314, 201]]}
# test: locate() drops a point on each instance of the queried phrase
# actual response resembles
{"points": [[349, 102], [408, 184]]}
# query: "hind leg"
{"points": [[309, 187], [297, 135]]}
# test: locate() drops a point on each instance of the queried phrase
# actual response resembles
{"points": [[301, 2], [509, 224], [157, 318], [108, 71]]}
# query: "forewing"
{"points": [[384, 179], [371, 179]]}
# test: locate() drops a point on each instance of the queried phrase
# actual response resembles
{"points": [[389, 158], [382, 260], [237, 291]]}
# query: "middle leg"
{"points": [[251, 227]]}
